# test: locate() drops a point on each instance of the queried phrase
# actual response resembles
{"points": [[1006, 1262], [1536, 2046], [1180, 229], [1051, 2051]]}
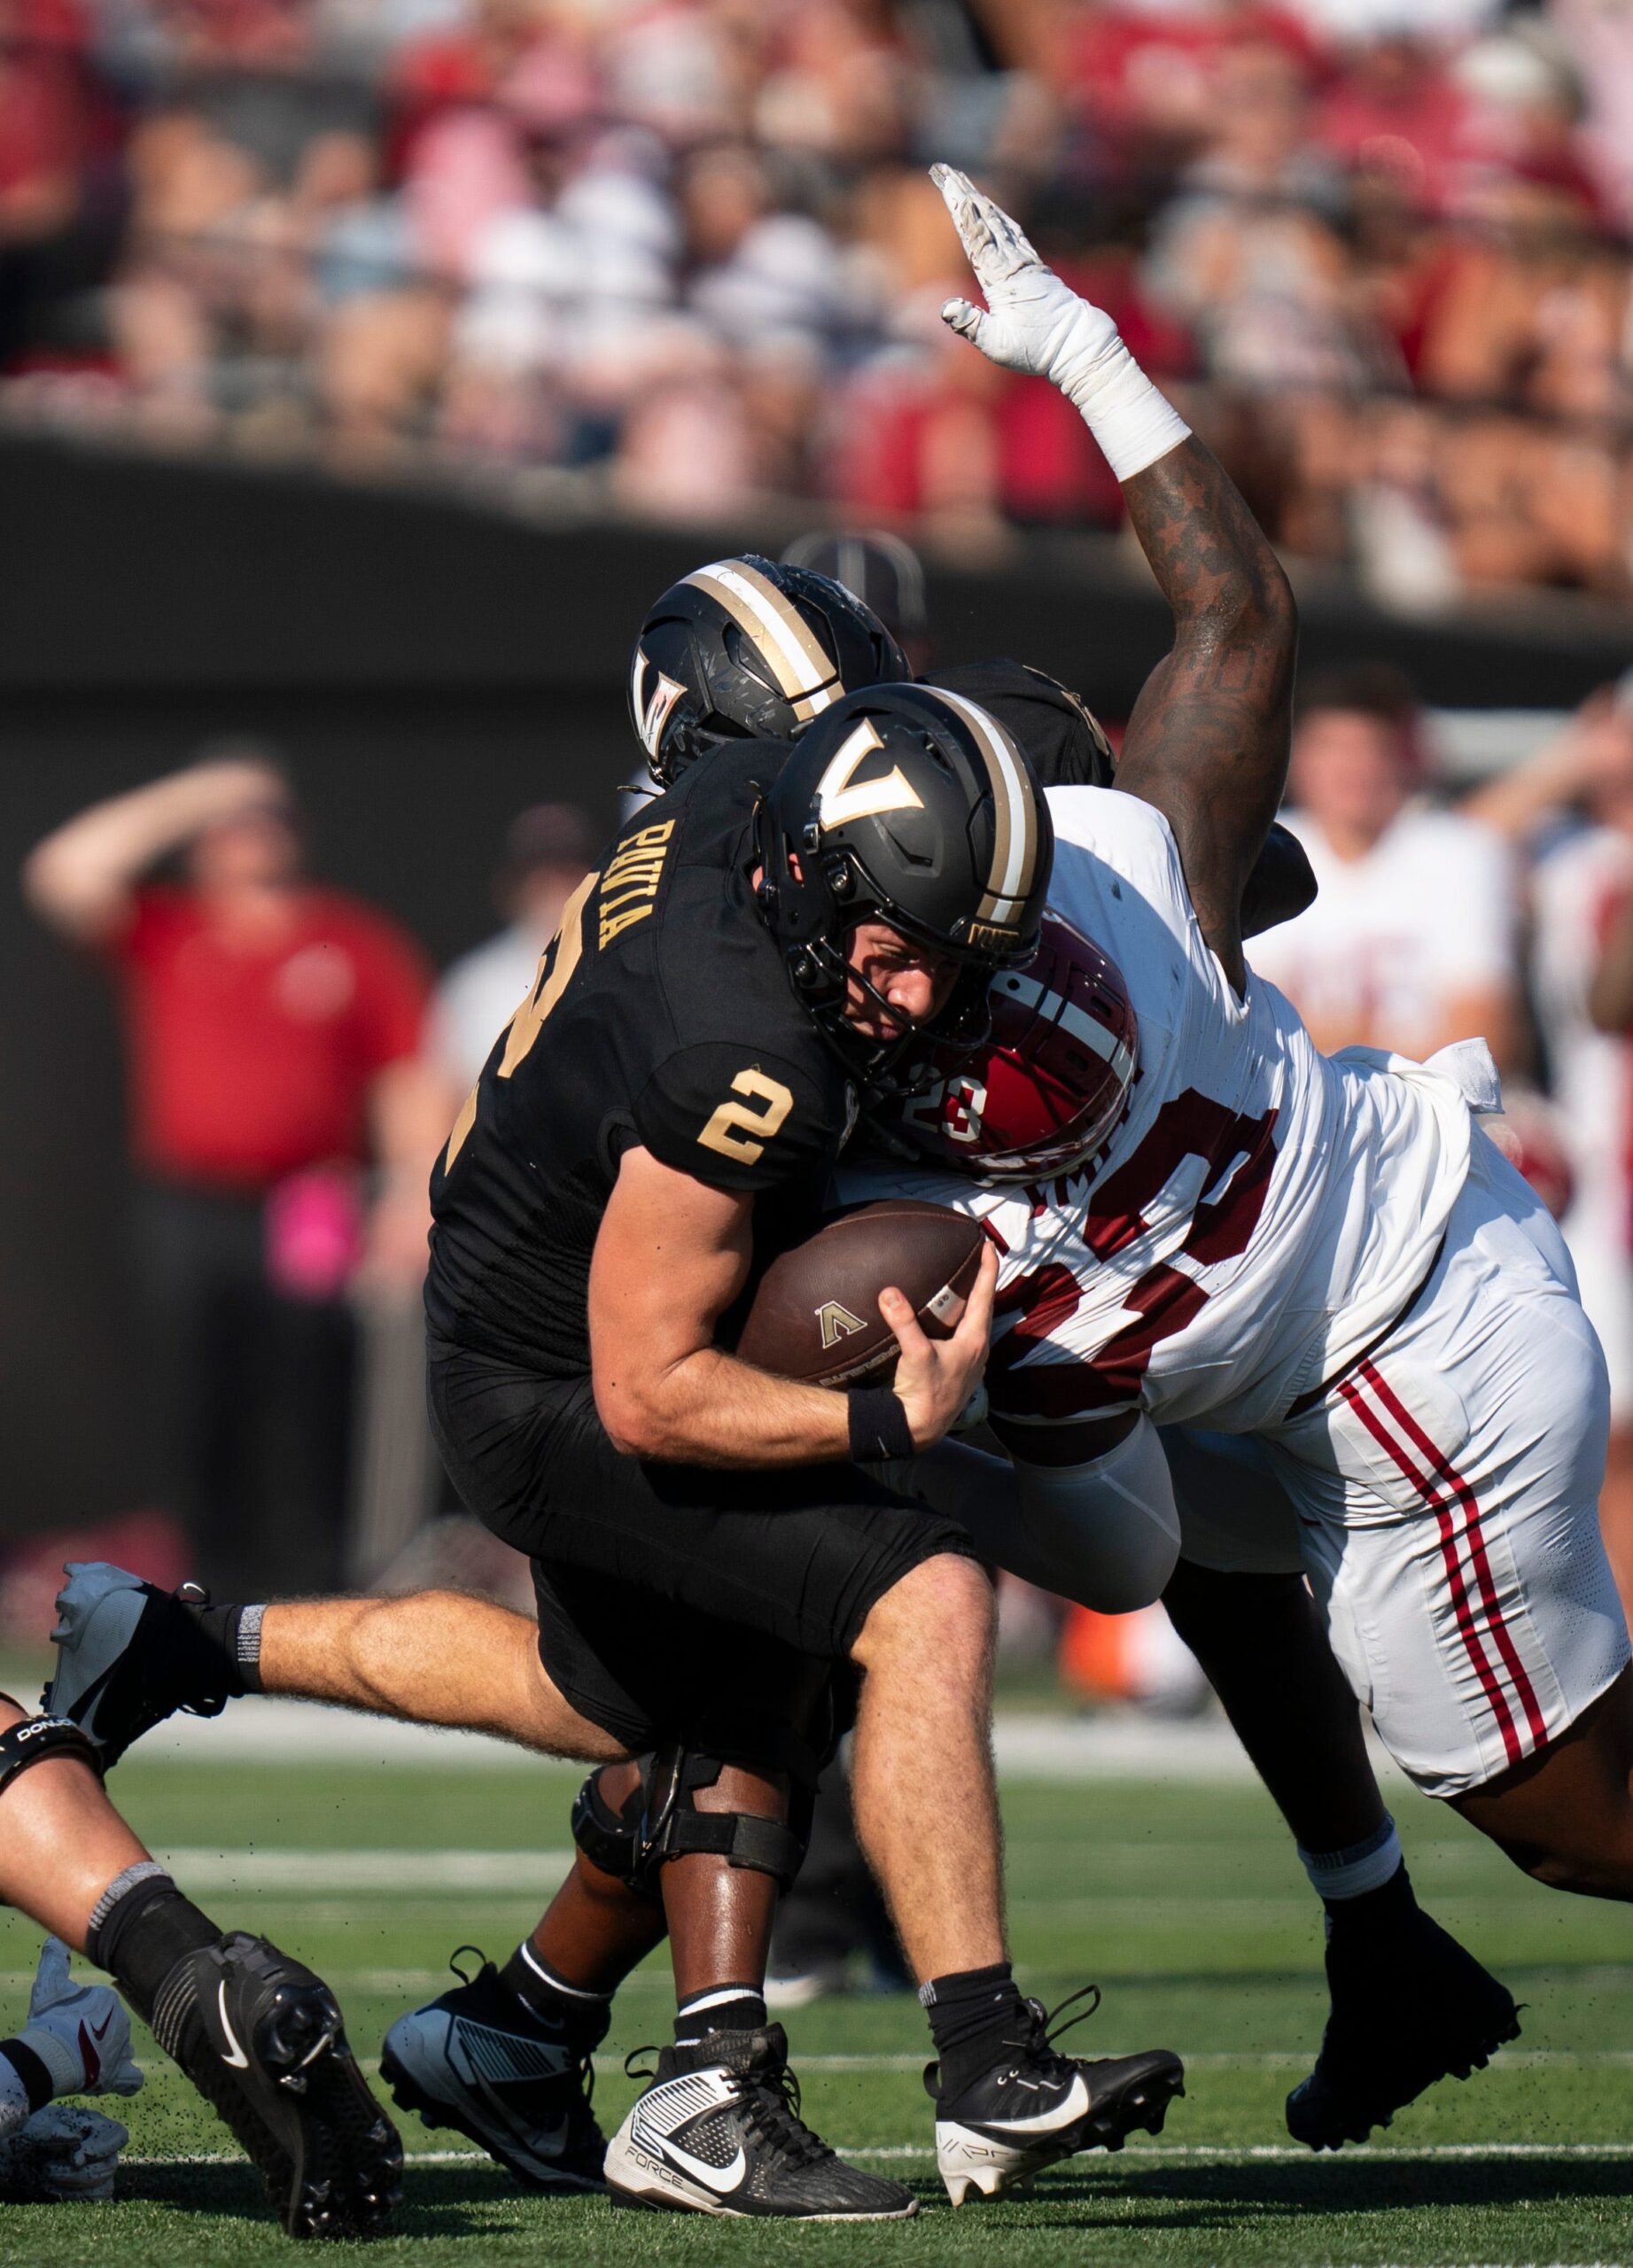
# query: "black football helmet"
{"points": [[747, 650], [907, 804]]}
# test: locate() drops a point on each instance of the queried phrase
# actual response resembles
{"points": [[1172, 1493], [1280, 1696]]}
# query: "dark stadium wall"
{"points": [[427, 663]]}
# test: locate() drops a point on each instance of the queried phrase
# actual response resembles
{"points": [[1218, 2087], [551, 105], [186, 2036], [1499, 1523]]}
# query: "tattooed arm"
{"points": [[1207, 742]]}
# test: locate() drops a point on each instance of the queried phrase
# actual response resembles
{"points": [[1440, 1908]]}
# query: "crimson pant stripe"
{"points": [[1467, 1631], [1465, 1495]]}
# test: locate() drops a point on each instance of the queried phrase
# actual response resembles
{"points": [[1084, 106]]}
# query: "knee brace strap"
{"points": [[673, 1827], [741, 1837], [37, 1738]]}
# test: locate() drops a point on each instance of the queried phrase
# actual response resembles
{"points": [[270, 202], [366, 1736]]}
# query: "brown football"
{"points": [[815, 1315]]}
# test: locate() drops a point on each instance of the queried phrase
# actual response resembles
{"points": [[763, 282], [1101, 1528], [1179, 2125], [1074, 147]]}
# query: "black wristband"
{"points": [[29, 2068], [879, 1427]]}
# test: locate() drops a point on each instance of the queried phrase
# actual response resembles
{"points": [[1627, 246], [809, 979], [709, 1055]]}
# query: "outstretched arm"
{"points": [[1208, 741], [81, 877]]}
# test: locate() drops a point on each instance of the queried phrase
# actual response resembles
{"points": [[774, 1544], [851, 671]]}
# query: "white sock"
{"points": [[1363, 1867]]}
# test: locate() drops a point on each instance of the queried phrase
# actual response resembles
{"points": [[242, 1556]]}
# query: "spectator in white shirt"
{"points": [[1412, 942], [548, 850]]}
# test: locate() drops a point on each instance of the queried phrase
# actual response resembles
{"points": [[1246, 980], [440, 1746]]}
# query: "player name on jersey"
{"points": [[630, 884]]}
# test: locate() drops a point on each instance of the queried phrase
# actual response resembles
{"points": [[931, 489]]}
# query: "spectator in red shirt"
{"points": [[273, 1030]]}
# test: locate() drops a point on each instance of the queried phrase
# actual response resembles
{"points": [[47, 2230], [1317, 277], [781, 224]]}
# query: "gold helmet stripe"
{"points": [[1015, 849], [802, 671]]}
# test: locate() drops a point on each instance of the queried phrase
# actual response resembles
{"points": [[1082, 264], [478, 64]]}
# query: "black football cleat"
{"points": [[718, 2131], [477, 2061], [260, 2038], [1405, 2013], [130, 1655], [1038, 2106]]}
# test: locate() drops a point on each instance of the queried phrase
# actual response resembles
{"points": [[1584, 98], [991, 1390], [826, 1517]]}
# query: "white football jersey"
{"points": [[1259, 1216]]}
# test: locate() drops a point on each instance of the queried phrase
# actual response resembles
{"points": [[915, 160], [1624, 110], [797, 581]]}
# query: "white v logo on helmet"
{"points": [[651, 709], [838, 801]]}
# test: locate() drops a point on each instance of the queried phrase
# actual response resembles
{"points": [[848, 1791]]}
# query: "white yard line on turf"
{"points": [[282, 1872], [1192, 2153], [1030, 1745], [406, 1872]]}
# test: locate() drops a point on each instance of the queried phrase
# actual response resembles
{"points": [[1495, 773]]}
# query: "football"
{"points": [[815, 1313]]}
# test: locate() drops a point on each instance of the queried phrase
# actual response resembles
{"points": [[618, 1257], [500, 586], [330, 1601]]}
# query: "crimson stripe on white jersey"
{"points": [[1440, 1465], [1371, 1400]]}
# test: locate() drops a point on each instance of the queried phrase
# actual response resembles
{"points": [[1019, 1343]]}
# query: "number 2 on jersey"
{"points": [[742, 1129]]}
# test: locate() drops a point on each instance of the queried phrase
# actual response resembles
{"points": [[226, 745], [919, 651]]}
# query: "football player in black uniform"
{"points": [[708, 1543]]}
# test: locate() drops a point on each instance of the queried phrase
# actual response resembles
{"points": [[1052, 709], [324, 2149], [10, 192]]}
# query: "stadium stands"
{"points": [[682, 253]]}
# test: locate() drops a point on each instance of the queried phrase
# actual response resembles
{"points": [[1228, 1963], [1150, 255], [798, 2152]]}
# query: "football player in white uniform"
{"points": [[1323, 1259]]}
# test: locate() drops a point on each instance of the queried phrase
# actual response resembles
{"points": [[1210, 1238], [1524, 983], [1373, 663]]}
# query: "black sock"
{"points": [[722, 2008], [233, 1634], [551, 1999], [1375, 1911], [972, 2013], [147, 1927]]}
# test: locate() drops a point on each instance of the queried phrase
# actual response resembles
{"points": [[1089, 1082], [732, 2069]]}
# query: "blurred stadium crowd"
{"points": [[680, 255]]}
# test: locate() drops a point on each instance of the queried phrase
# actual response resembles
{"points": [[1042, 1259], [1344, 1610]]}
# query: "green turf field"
{"points": [[1187, 1906]]}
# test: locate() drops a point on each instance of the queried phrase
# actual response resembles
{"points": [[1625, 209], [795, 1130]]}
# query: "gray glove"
{"points": [[65, 2153]]}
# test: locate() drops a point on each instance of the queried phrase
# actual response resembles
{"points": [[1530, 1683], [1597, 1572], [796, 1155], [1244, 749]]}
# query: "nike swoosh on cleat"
{"points": [[721, 2178], [1076, 2105], [239, 2061]]}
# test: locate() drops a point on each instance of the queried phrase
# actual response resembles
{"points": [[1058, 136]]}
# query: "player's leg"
{"points": [[1261, 1643], [439, 1658], [1447, 1489], [130, 1655], [922, 1767], [258, 2033], [715, 1832], [1565, 1815], [504, 2055], [927, 1816], [1408, 2004]]}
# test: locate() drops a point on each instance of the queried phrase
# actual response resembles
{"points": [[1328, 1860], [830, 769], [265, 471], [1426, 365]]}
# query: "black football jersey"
{"points": [[661, 1015]]}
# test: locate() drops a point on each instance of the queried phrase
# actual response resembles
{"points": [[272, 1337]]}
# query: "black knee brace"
{"points": [[37, 1738], [611, 1839], [660, 1820]]}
